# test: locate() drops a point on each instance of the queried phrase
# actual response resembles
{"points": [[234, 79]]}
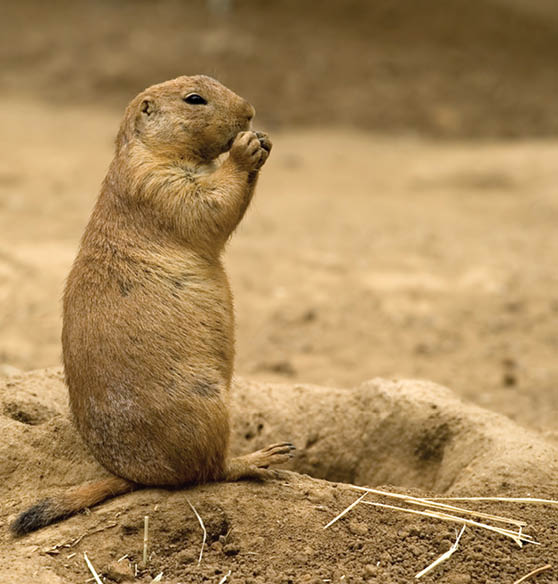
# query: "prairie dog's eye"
{"points": [[195, 99]]}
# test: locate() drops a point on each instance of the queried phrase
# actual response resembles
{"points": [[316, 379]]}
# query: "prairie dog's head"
{"points": [[189, 118]]}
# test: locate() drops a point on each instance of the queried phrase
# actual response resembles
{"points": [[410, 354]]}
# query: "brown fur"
{"points": [[148, 334]]}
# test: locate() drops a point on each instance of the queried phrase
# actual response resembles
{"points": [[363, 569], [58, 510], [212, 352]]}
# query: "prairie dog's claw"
{"points": [[265, 142]]}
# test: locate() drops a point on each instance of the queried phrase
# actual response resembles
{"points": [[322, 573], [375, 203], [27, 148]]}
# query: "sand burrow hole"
{"points": [[401, 433]]}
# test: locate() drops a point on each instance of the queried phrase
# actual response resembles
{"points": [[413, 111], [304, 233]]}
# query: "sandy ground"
{"points": [[361, 256], [397, 232], [415, 434]]}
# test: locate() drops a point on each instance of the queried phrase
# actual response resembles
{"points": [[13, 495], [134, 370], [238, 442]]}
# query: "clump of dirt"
{"points": [[273, 532]]}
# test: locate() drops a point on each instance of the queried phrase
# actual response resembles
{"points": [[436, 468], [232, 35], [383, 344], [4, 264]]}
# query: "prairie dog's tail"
{"points": [[59, 507]]}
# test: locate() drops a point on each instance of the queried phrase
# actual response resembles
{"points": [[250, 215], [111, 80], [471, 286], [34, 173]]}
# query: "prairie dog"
{"points": [[148, 331]]}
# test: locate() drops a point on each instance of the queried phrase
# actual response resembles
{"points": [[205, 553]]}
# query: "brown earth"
{"points": [[362, 256], [369, 251], [408, 433]]}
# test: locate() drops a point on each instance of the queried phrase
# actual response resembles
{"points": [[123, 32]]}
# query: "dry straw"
{"points": [[203, 529], [443, 557], [496, 518], [92, 569], [145, 538], [430, 502], [530, 500], [533, 573], [518, 536], [435, 508], [343, 513]]}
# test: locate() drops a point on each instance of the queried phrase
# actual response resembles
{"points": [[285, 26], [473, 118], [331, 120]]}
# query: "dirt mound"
{"points": [[406, 433], [411, 434]]}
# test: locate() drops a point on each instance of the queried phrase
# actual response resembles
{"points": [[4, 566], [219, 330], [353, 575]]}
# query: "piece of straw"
{"points": [[203, 529], [224, 578], [354, 504], [92, 569], [145, 538], [518, 537], [434, 503], [533, 573], [443, 557], [499, 518], [494, 499]]}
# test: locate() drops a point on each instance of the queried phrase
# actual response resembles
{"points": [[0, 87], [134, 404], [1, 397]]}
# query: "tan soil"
{"points": [[364, 255], [409, 433], [361, 256]]}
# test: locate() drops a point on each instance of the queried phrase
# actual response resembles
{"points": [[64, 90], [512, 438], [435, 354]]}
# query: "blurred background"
{"points": [[405, 225], [443, 68]]}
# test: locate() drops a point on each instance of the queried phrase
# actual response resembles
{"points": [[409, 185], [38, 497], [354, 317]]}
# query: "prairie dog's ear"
{"points": [[147, 107], [145, 113], [139, 114]]}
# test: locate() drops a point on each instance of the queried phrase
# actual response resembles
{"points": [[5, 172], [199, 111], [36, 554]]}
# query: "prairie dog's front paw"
{"points": [[250, 150]]}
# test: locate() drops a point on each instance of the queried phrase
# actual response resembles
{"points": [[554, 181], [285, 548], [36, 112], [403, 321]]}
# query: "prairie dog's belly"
{"points": [[148, 360], [145, 332]]}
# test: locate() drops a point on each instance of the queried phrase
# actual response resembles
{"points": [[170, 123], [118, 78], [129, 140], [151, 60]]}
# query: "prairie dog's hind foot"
{"points": [[255, 465]]}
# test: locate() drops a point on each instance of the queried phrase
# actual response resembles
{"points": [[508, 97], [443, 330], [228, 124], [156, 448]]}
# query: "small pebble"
{"points": [[120, 571], [458, 578], [231, 549], [186, 556], [358, 528]]}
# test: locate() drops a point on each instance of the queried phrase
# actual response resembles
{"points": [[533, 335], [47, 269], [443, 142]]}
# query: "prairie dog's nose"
{"points": [[250, 111]]}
